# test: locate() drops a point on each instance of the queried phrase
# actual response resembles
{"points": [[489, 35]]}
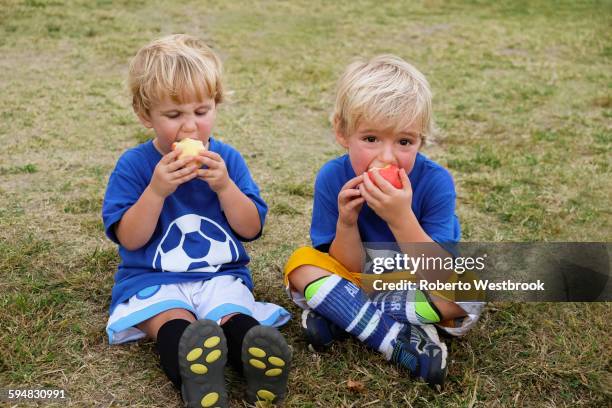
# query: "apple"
{"points": [[189, 147], [390, 173]]}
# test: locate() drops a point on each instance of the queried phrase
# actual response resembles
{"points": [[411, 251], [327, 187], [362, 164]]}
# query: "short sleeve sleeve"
{"points": [[438, 217], [324, 212], [124, 188], [240, 174]]}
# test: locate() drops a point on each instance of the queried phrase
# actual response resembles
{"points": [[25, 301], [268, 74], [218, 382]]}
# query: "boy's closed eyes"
{"points": [[200, 111]]}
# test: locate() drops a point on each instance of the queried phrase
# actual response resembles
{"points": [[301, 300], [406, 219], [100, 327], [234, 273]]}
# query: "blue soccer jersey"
{"points": [[433, 204], [192, 240]]}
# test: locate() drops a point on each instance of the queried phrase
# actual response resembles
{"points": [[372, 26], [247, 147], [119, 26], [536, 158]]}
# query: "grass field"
{"points": [[523, 101]]}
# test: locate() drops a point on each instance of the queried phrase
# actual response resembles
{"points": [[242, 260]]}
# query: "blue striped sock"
{"points": [[407, 306], [349, 307]]}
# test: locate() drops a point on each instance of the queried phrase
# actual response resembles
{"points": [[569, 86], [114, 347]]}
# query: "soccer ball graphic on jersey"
{"points": [[193, 243]]}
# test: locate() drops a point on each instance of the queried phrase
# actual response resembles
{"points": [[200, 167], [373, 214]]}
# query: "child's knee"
{"points": [[301, 276], [152, 325]]}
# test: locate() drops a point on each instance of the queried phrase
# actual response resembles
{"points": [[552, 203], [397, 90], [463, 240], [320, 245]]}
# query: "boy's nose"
{"points": [[386, 155], [189, 125]]}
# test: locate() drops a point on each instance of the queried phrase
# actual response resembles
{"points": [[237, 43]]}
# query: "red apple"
{"points": [[390, 173]]}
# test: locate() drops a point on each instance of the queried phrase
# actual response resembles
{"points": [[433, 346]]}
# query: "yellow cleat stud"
{"points": [[194, 354], [257, 352], [266, 395], [274, 372], [209, 399], [276, 361], [213, 356], [257, 363], [212, 341], [199, 368]]}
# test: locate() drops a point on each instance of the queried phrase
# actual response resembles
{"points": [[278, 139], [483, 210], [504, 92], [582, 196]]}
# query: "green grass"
{"points": [[522, 99]]}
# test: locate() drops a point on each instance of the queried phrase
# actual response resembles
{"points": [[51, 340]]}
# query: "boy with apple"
{"points": [[179, 207], [382, 190]]}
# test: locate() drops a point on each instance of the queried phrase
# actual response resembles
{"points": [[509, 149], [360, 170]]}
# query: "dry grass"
{"points": [[522, 97]]}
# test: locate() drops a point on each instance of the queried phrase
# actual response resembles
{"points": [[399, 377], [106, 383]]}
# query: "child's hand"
{"points": [[215, 174], [170, 173], [391, 204], [350, 202]]}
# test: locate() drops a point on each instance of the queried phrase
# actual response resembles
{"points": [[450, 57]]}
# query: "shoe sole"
{"points": [[202, 358], [266, 360]]}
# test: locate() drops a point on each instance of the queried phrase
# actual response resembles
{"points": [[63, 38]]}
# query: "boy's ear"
{"points": [[144, 118], [341, 138], [340, 134]]}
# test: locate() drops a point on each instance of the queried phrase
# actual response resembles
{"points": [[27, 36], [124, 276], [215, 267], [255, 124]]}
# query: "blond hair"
{"points": [[178, 66], [385, 91]]}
